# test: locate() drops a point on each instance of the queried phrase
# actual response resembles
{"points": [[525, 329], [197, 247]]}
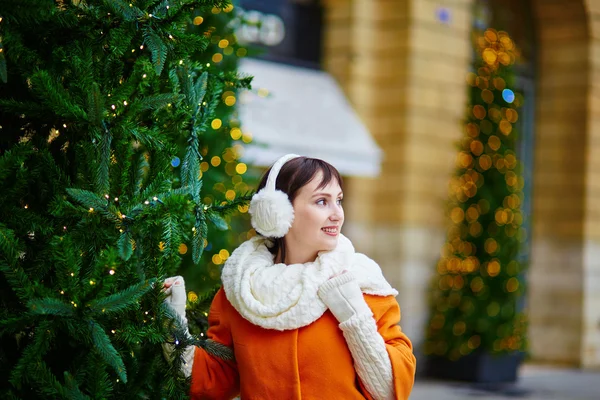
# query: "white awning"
{"points": [[305, 112]]}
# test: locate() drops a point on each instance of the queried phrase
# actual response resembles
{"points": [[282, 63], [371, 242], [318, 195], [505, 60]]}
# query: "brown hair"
{"points": [[295, 174]]}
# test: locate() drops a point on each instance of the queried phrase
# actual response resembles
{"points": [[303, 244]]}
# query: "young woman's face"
{"points": [[318, 219]]}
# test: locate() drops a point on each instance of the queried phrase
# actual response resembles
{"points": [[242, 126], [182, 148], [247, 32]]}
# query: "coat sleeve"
{"points": [[386, 312], [212, 377]]}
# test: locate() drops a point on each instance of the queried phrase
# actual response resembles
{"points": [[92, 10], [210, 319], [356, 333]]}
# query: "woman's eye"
{"points": [[340, 201], [321, 202]]}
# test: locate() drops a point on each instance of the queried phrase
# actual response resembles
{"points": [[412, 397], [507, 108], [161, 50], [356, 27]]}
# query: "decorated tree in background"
{"points": [[108, 114], [224, 177], [476, 300]]}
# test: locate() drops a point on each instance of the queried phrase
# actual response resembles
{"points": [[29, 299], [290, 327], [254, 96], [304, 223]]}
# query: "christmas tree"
{"points": [[108, 109], [476, 301]]}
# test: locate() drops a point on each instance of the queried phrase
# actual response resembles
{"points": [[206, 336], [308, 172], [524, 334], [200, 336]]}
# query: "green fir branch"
{"points": [[200, 234], [121, 301], [19, 282], [156, 102], [45, 381], [95, 105], [125, 245], [51, 306], [229, 206], [158, 50], [97, 378], [216, 349], [104, 348], [10, 246], [170, 234], [216, 219], [43, 336], [93, 202], [56, 97], [160, 184], [101, 176], [3, 71], [14, 324], [140, 174], [190, 170], [72, 390], [198, 90], [124, 10]]}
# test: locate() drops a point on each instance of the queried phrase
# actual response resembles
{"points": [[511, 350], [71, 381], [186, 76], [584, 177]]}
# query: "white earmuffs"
{"points": [[270, 209]]}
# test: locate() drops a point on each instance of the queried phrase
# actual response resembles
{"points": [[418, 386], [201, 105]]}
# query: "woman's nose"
{"points": [[336, 215]]}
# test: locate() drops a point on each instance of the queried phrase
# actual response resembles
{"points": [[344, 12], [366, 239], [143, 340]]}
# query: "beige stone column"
{"points": [[555, 302], [590, 356]]}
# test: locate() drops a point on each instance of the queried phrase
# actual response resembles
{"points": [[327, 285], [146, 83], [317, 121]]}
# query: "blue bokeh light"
{"points": [[443, 15], [175, 162], [508, 95]]}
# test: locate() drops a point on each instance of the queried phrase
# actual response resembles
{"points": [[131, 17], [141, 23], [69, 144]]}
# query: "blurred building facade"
{"points": [[402, 64]]}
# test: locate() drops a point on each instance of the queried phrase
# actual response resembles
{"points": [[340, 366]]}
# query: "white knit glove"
{"points": [[176, 295], [343, 297], [176, 299]]}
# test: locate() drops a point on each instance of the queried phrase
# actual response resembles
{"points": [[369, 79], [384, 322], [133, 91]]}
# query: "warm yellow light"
{"points": [[192, 297], [241, 168], [198, 20], [479, 112], [476, 147], [215, 161], [230, 195], [491, 246], [224, 254], [223, 43], [459, 328], [236, 133], [217, 58], [485, 162], [494, 142], [457, 215], [216, 123], [183, 248], [246, 137]]}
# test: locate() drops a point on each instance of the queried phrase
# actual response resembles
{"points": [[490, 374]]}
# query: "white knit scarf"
{"points": [[282, 297]]}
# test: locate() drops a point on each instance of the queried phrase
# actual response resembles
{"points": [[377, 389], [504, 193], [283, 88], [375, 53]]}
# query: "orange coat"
{"points": [[312, 362]]}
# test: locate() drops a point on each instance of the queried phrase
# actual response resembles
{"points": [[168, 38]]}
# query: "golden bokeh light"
{"points": [[479, 112], [472, 130], [183, 249], [494, 142], [485, 162]]}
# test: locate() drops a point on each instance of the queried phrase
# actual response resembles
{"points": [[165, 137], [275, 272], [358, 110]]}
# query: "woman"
{"points": [[306, 316]]}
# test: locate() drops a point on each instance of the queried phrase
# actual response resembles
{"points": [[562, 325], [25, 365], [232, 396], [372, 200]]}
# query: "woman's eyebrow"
{"points": [[325, 194]]}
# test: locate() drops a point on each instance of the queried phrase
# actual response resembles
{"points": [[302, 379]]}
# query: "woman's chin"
{"points": [[329, 244]]}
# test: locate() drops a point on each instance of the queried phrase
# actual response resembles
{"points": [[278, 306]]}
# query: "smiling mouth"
{"points": [[330, 231]]}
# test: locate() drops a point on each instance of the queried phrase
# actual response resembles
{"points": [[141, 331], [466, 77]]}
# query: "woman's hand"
{"points": [[342, 295], [174, 288]]}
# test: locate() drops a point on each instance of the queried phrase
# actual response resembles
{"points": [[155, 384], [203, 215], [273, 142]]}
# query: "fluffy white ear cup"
{"points": [[271, 211]]}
